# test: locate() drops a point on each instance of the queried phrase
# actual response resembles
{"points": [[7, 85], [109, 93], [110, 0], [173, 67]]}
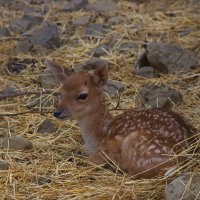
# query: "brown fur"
{"points": [[139, 141]]}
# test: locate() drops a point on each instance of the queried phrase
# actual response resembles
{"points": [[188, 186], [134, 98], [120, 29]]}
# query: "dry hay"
{"points": [[61, 156]]}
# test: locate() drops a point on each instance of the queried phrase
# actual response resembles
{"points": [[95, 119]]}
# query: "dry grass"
{"points": [[57, 156]]}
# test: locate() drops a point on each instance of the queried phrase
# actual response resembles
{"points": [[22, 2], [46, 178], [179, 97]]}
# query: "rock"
{"points": [[19, 25], [185, 32], [94, 30], [100, 50], [47, 126], [19, 66], [126, 46], [90, 65], [148, 72], [113, 87], [185, 187], [94, 63], [42, 181], [8, 90], [46, 35], [102, 6], [43, 102], [81, 21], [4, 165], [4, 32], [168, 58], [159, 97], [24, 46], [72, 5], [16, 143], [116, 20], [47, 80], [25, 23]]}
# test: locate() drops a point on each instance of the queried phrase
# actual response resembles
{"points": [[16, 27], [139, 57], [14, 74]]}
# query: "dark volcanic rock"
{"points": [[185, 187], [42, 181], [113, 87], [18, 66], [47, 126], [73, 5], [24, 46], [4, 32], [168, 58], [47, 80], [100, 50], [4, 165], [8, 90], [16, 143], [94, 30], [90, 65], [46, 35], [159, 97], [94, 63], [25, 23], [148, 72], [102, 6], [81, 21], [116, 20], [126, 46]]}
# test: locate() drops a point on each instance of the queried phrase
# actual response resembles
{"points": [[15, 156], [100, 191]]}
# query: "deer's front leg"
{"points": [[97, 158], [110, 149]]}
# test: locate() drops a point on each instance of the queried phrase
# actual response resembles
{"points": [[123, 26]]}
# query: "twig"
{"points": [[23, 113], [26, 93], [118, 101]]}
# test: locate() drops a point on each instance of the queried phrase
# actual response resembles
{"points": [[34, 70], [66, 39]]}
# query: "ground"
{"points": [[57, 166]]}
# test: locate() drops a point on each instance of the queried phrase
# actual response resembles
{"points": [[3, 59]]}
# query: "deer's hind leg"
{"points": [[144, 155]]}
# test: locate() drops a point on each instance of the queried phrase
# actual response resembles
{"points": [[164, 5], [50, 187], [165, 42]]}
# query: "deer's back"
{"points": [[163, 123]]}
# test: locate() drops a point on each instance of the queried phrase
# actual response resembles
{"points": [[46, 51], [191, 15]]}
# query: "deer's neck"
{"points": [[92, 126]]}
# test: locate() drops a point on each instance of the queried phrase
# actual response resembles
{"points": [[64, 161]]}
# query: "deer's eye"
{"points": [[82, 96]]}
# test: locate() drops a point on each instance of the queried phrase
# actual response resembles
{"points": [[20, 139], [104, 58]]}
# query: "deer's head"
{"points": [[80, 92]]}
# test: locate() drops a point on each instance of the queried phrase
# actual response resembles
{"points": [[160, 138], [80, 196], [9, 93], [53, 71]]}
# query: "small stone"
{"points": [[94, 63], [24, 46], [47, 80], [102, 6], [72, 5], [19, 25], [185, 187], [25, 23], [44, 102], [8, 90], [113, 87], [147, 72], [159, 97], [127, 46], [116, 20], [94, 30], [16, 143], [168, 58], [4, 165], [47, 126], [185, 32], [100, 50], [4, 32], [42, 181], [46, 35], [19, 66], [81, 21]]}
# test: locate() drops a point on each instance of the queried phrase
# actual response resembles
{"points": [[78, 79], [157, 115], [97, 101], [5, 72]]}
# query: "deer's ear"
{"points": [[100, 75], [58, 71]]}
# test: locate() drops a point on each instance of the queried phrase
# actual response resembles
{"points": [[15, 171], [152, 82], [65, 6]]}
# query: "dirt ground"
{"points": [[57, 166]]}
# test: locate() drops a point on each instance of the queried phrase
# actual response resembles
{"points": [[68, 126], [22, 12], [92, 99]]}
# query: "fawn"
{"points": [[140, 141]]}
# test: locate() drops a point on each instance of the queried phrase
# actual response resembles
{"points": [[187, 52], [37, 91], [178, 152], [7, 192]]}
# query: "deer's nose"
{"points": [[58, 112]]}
